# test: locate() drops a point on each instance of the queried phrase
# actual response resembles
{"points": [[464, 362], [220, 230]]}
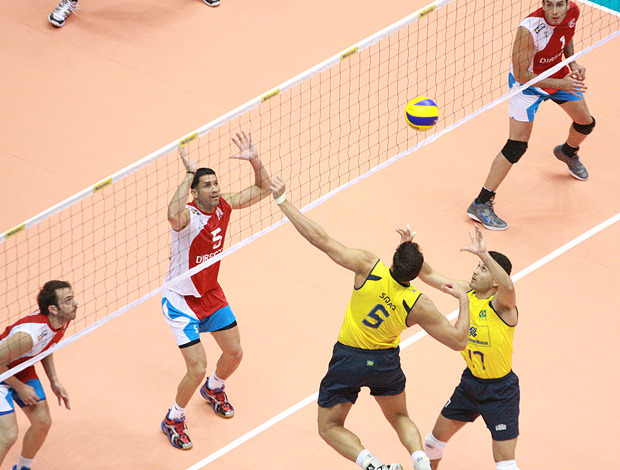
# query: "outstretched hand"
{"points": [[478, 245], [190, 167], [247, 149], [278, 187], [405, 234]]}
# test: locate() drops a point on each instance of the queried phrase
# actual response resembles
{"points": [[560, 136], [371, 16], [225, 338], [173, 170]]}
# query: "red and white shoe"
{"points": [[175, 430], [218, 399]]}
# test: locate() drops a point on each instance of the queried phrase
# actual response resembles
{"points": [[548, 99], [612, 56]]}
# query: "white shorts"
{"points": [[8, 395], [523, 106], [186, 326]]}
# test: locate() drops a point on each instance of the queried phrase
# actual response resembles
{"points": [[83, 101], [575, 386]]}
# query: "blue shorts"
{"points": [[496, 400], [8, 395], [187, 328], [523, 106], [350, 369]]}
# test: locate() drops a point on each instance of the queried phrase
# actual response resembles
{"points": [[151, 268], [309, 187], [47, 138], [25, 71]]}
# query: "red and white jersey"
{"points": [[43, 336], [550, 41], [202, 239]]}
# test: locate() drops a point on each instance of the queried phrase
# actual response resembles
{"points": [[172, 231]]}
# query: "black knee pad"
{"points": [[514, 150], [584, 129]]}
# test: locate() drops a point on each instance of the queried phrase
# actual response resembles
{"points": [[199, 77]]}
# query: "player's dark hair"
{"points": [[47, 295], [407, 262], [502, 260], [201, 172]]}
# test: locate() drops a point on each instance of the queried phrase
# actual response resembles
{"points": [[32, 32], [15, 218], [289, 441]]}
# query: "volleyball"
{"points": [[421, 113]]}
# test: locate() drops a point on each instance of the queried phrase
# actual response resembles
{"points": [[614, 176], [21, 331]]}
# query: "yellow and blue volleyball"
{"points": [[421, 113]]}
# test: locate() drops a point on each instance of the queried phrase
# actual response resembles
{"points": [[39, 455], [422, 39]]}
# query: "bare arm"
{"points": [[360, 262], [57, 388], [428, 275], [425, 314], [434, 279], [13, 347], [178, 214], [505, 300], [522, 56], [260, 189], [579, 70]]}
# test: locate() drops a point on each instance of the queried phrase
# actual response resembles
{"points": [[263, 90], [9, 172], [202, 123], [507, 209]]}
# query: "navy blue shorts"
{"points": [[497, 400], [350, 369]]}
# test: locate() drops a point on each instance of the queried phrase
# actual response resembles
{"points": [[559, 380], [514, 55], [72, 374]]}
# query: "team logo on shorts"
{"points": [[370, 363], [500, 427]]}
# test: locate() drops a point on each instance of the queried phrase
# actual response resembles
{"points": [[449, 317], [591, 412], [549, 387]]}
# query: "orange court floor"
{"points": [[124, 78]]}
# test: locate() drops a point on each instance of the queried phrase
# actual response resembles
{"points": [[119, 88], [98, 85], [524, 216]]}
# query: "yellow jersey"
{"points": [[489, 347], [377, 312]]}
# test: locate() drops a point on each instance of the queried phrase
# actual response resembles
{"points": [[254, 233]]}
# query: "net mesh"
{"points": [[319, 131]]}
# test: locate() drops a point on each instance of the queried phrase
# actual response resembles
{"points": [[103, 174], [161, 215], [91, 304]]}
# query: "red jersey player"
{"points": [[19, 342], [542, 39], [197, 304]]}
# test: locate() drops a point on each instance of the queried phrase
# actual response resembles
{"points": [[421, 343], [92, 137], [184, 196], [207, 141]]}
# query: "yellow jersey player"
{"points": [[383, 304], [488, 385]]}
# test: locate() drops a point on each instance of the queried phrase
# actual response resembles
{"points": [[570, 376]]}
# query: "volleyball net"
{"points": [[322, 131]]}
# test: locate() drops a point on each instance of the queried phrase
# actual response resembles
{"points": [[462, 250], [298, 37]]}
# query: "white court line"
{"points": [[408, 342]]}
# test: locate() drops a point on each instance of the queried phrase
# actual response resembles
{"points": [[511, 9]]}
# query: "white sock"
{"points": [[507, 465], [363, 454], [176, 412], [421, 460], [22, 462], [215, 382], [367, 461]]}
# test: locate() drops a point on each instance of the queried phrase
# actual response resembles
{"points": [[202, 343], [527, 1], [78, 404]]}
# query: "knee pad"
{"points": [[584, 129], [514, 150], [433, 447]]}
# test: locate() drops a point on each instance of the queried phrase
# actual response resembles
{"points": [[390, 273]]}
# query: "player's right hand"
{"points": [[278, 186], [190, 167], [28, 395]]}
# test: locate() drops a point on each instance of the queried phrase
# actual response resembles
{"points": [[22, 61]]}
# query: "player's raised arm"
{"points": [[178, 214], [360, 262], [428, 275], [262, 182], [425, 314], [505, 298]]}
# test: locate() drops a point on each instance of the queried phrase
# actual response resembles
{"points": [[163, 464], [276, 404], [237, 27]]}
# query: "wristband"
{"points": [[281, 199]]}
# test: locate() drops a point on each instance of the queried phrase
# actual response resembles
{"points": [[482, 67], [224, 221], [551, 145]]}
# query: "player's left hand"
{"points": [[405, 234], [578, 70], [62, 394], [478, 245], [247, 149]]}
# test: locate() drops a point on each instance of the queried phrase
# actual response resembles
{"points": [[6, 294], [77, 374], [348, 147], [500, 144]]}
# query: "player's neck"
{"points": [[56, 322], [207, 209], [485, 294]]}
